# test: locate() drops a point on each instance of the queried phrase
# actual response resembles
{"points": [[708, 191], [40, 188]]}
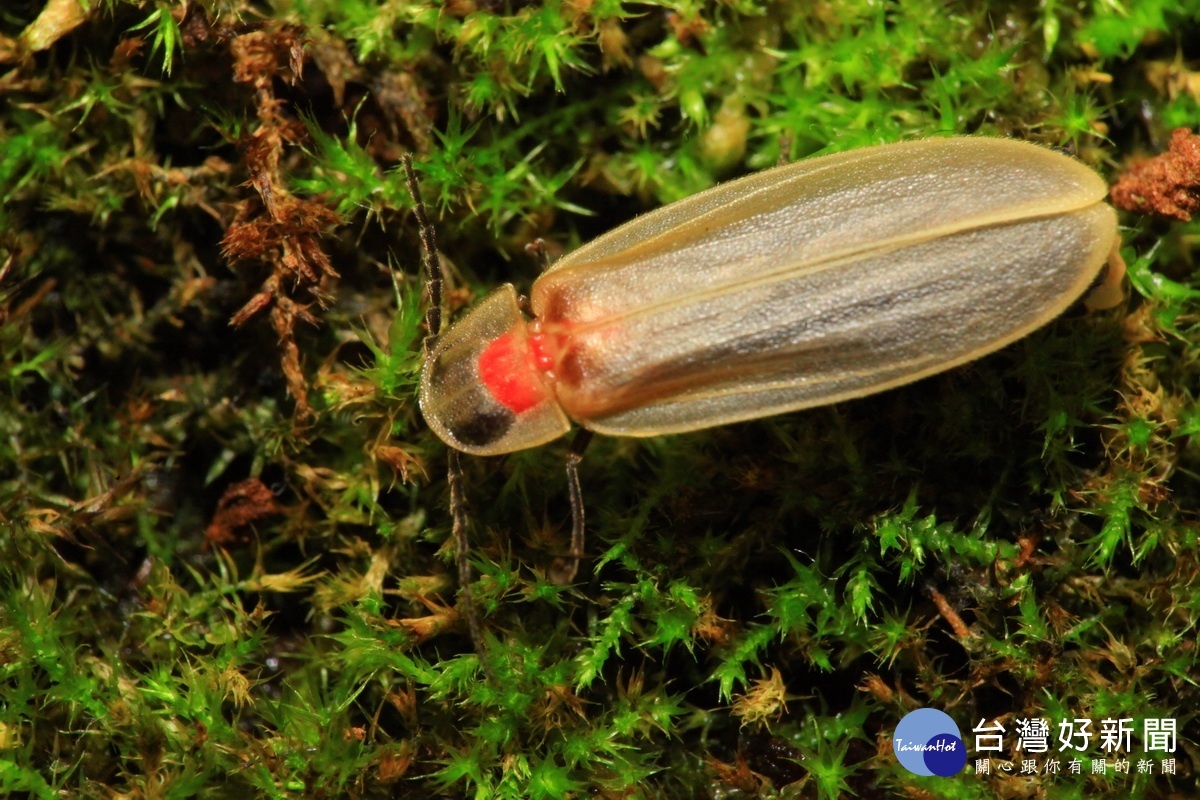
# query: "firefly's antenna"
{"points": [[434, 283]]}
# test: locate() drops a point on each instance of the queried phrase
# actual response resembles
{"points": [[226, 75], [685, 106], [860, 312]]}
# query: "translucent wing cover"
{"points": [[824, 280]]}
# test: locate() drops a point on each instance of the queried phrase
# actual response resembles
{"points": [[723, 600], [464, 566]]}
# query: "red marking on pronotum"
{"points": [[507, 367]]}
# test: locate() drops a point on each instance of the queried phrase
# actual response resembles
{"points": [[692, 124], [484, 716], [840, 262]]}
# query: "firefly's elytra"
{"points": [[819, 281]]}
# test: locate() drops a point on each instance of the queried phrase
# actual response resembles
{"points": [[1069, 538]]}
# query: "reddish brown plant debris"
{"points": [[737, 776], [280, 230], [558, 707], [124, 53], [687, 30], [243, 504], [425, 628], [394, 763], [961, 631], [1168, 184], [404, 701], [460, 8], [713, 628], [875, 686], [403, 464], [1028, 544]]}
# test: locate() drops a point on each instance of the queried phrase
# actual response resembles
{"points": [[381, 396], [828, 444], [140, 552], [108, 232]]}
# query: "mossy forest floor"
{"points": [[225, 567]]}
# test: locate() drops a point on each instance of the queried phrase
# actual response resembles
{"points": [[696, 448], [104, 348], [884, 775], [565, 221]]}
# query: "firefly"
{"points": [[812, 283]]}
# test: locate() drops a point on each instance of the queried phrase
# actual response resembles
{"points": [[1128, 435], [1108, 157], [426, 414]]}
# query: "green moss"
{"points": [[226, 559]]}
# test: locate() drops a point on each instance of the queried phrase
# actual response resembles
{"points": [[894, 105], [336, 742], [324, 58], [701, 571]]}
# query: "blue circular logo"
{"points": [[927, 742]]}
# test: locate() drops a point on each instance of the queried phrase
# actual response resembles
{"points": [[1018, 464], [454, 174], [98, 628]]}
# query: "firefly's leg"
{"points": [[567, 571]]}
